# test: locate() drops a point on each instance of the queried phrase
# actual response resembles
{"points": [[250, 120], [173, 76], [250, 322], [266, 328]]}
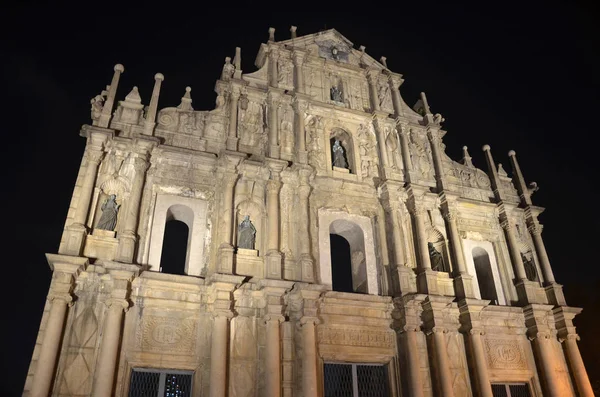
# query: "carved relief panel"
{"points": [[251, 127]]}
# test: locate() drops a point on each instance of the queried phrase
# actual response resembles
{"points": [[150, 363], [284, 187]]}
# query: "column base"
{"points": [[274, 151], [404, 280], [555, 294], [530, 292], [273, 265], [463, 286], [307, 266], [75, 238], [126, 248], [232, 143], [225, 259], [302, 156]]}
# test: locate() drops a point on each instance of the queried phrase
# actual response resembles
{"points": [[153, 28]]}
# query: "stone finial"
{"points": [[293, 31], [159, 76], [271, 34], [151, 113], [237, 62], [512, 153], [425, 104], [362, 48], [119, 68], [133, 96], [501, 170], [486, 148], [466, 160], [186, 100], [383, 61], [105, 110]]}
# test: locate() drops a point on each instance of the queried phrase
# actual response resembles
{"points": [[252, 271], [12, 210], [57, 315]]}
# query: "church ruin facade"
{"points": [[329, 247]]}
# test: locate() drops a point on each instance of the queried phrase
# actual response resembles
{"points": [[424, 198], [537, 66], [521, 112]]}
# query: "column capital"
{"points": [[94, 154], [372, 75], [436, 330], [568, 337], [476, 331], [273, 317], [122, 304], [299, 105], [535, 229], [273, 186], [309, 320], [58, 296], [539, 335]]}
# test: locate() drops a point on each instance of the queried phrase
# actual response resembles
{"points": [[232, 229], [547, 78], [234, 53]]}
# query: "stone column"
{"points": [[481, 370], [273, 101], [418, 213], [152, 108], [218, 355], [441, 359], [540, 248], [379, 127], [542, 342], [372, 76], [128, 237], [46, 363], [273, 57], [459, 258], [304, 242], [300, 107], [397, 235], [232, 138], [273, 187], [413, 366], [106, 113], [273, 356], [395, 82], [298, 61], [230, 179], [109, 348], [435, 140], [576, 366], [309, 359], [515, 253], [403, 133]]}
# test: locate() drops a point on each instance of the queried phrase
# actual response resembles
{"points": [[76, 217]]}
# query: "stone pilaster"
{"points": [[407, 324], [372, 76], [300, 106], [470, 319], [232, 138], [273, 58], [225, 255], [435, 328], [381, 139], [273, 112], [306, 260], [65, 270], [568, 337], [118, 282], [298, 58], [426, 277], [395, 81], [273, 264], [403, 133]]}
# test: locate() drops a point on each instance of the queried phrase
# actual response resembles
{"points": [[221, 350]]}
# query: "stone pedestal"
{"points": [[463, 285], [225, 260], [555, 294], [273, 265]]}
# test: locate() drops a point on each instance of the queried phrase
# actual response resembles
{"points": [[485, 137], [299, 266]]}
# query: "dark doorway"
{"points": [[485, 279], [174, 249], [341, 267]]}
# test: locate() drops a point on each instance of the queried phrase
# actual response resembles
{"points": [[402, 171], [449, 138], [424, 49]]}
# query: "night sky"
{"points": [[520, 76]]}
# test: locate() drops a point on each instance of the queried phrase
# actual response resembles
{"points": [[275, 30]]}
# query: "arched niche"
{"points": [[358, 231], [485, 251], [116, 186], [190, 211], [346, 141], [257, 216]]}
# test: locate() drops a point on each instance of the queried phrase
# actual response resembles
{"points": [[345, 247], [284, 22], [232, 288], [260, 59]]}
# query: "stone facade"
{"points": [[453, 290]]}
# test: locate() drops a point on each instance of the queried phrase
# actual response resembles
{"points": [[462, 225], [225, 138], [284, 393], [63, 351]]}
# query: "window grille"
{"points": [[356, 380], [160, 383], [510, 390]]}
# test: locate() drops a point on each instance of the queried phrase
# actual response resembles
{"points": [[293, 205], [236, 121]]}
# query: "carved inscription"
{"points": [[165, 334], [505, 354], [356, 337]]}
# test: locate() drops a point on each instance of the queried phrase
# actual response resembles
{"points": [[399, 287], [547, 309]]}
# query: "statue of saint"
{"points": [[338, 155], [336, 94], [246, 234], [437, 260], [530, 271], [108, 219]]}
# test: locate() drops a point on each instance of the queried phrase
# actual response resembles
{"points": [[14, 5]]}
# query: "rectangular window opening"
{"points": [[147, 382], [356, 380], [510, 390]]}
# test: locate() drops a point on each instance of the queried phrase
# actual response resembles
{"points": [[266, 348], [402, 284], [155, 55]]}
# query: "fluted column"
{"points": [[109, 348], [218, 355], [46, 363], [481, 370], [513, 248], [232, 138], [152, 108], [442, 365], [273, 356], [309, 358], [128, 236], [106, 113], [576, 366], [273, 101], [540, 248]]}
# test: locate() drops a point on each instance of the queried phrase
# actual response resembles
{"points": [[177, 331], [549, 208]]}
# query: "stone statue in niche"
{"points": [[336, 94], [246, 234], [338, 155], [529, 266], [110, 209], [437, 260]]}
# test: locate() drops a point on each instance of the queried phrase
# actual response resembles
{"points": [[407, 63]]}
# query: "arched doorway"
{"points": [[485, 278], [341, 269], [174, 250]]}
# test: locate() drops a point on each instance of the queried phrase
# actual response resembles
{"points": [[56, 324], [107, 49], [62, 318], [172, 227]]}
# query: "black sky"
{"points": [[520, 76]]}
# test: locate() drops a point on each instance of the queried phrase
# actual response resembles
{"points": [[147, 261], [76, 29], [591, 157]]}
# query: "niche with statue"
{"points": [[341, 151]]}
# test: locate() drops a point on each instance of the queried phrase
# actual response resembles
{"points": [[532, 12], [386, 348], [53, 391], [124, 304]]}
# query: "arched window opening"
{"points": [[174, 250], [529, 264], [485, 278], [341, 269]]}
